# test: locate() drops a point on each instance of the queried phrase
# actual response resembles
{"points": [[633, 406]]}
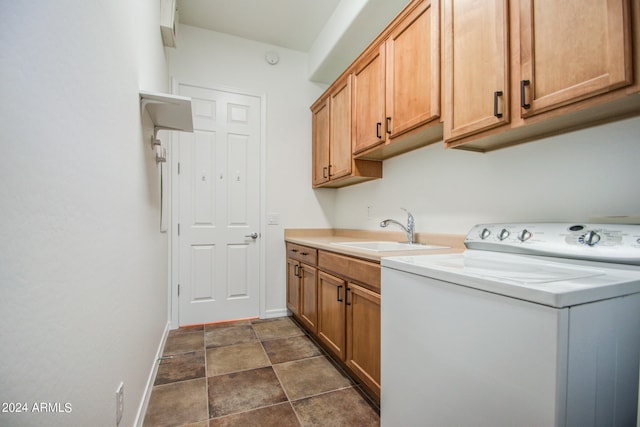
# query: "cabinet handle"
{"points": [[294, 250], [304, 253], [388, 125], [523, 104], [324, 172], [496, 94], [338, 289], [330, 174], [378, 127], [347, 297], [296, 270]]}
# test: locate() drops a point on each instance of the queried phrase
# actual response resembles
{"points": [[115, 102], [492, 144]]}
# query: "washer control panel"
{"points": [[598, 242]]}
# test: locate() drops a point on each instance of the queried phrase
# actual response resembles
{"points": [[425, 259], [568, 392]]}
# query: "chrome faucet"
{"points": [[409, 229]]}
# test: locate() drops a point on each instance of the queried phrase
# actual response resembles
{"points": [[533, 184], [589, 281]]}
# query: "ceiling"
{"points": [[292, 24], [332, 32]]}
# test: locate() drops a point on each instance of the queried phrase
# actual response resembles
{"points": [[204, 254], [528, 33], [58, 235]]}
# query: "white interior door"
{"points": [[219, 207]]}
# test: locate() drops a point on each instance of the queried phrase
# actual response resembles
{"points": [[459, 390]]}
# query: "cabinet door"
{"points": [[572, 50], [309, 297], [476, 66], [293, 286], [363, 335], [340, 130], [369, 101], [331, 313], [413, 70], [320, 142]]}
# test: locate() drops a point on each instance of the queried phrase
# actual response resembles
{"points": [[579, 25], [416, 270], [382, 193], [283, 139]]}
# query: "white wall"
{"points": [[82, 263], [214, 59], [578, 176]]}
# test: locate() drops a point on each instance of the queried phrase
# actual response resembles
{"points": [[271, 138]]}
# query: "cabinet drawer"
{"points": [[362, 272], [302, 253]]}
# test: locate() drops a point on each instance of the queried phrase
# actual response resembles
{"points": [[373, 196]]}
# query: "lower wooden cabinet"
{"points": [[308, 297], [363, 335], [332, 315], [343, 315], [302, 289]]}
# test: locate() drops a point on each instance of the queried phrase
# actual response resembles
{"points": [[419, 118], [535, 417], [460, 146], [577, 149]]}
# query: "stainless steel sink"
{"points": [[385, 246]]}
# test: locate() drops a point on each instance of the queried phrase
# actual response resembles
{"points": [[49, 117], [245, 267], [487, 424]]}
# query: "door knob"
{"points": [[253, 235]]}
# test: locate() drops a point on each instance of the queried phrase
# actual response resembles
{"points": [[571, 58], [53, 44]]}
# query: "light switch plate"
{"points": [[273, 218]]}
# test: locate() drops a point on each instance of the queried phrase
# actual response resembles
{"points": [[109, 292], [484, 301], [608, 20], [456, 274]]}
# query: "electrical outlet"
{"points": [[119, 403]]}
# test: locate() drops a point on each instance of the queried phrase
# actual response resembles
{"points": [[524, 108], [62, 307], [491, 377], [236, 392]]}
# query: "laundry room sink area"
{"points": [[386, 246]]}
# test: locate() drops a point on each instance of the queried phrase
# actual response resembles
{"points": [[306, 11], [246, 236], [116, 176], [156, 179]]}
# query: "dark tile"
{"points": [[288, 349], [232, 358], [219, 337], [280, 415], [339, 408], [184, 343], [307, 377], [181, 367], [282, 327], [242, 391], [243, 322], [177, 403], [186, 329]]}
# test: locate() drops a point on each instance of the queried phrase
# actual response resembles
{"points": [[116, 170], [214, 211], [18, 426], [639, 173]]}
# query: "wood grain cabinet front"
{"points": [[302, 284], [517, 70], [333, 164], [396, 85], [338, 302]]}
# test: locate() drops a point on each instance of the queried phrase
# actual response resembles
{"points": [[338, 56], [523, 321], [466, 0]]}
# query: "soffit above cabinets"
{"points": [[170, 112]]}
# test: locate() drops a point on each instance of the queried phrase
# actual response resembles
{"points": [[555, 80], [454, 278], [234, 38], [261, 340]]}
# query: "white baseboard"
{"points": [[280, 312], [142, 410]]}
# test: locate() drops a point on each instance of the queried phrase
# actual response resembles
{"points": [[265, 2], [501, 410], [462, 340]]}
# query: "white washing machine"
{"points": [[533, 325]]}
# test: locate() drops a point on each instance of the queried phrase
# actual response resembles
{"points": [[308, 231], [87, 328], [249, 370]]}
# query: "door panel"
{"points": [[331, 321], [413, 65], [368, 90], [596, 36], [340, 125], [321, 143], [219, 198], [476, 66]]}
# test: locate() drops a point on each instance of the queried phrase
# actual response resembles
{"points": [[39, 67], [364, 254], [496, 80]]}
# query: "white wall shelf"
{"points": [[170, 112]]}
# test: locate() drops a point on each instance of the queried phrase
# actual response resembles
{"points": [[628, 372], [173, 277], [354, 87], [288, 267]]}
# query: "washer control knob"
{"points": [[591, 238], [524, 235], [486, 233], [504, 233]]}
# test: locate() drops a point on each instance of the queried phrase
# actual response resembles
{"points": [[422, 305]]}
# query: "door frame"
{"points": [[174, 195]]}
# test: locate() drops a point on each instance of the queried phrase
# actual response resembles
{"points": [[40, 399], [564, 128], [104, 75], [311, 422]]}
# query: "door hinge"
{"points": [[178, 289]]}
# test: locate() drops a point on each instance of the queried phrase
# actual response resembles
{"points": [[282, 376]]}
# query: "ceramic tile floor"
{"points": [[252, 373]]}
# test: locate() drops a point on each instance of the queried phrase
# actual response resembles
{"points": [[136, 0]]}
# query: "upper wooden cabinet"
{"points": [[333, 164], [396, 86], [524, 69], [476, 82], [572, 50]]}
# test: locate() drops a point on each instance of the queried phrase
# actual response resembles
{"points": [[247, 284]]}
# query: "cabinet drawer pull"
{"points": [[294, 250], [304, 253], [378, 127], [523, 104], [330, 174], [496, 94], [388, 125], [347, 297], [339, 288]]}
